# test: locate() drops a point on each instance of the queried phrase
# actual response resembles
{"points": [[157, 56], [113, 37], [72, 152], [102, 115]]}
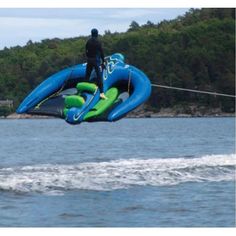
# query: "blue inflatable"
{"points": [[67, 95]]}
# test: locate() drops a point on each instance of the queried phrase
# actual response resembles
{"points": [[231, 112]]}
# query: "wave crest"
{"points": [[117, 174]]}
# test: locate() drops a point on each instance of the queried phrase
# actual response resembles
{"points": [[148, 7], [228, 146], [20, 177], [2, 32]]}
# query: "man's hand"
{"points": [[103, 65]]}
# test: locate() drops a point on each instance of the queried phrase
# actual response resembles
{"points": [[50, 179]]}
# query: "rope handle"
{"points": [[56, 93]]}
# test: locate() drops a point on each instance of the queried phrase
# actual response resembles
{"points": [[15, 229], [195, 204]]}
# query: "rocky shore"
{"points": [[144, 111], [169, 112], [24, 116], [163, 113]]}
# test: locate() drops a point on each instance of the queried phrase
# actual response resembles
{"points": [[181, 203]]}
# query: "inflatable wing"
{"points": [[67, 95]]}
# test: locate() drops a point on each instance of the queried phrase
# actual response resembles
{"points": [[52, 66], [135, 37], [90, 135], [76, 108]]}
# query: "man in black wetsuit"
{"points": [[95, 55]]}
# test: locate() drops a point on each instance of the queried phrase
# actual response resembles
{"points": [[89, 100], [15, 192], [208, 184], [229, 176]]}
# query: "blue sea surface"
{"points": [[164, 172]]}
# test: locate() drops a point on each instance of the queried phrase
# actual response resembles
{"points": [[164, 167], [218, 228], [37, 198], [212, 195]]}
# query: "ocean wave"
{"points": [[117, 174]]}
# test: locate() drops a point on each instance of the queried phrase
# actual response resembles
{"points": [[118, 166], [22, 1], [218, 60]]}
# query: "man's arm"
{"points": [[86, 49], [101, 52]]}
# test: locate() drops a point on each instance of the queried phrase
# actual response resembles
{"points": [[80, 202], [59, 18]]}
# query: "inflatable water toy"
{"points": [[67, 95]]}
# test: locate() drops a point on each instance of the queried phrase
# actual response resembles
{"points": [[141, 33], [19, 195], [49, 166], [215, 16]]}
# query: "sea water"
{"points": [[164, 172]]}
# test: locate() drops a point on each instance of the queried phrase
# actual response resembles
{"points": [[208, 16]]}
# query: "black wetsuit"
{"points": [[94, 53]]}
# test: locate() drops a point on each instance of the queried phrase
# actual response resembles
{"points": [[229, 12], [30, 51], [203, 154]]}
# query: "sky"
{"points": [[19, 25]]}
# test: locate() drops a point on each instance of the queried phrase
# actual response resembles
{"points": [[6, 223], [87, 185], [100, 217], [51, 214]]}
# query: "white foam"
{"points": [[117, 174]]}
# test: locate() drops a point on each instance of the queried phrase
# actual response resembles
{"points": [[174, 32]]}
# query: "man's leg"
{"points": [[99, 78], [100, 82], [89, 69]]}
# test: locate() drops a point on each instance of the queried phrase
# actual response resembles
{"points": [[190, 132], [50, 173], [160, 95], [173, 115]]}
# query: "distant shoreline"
{"points": [[140, 115]]}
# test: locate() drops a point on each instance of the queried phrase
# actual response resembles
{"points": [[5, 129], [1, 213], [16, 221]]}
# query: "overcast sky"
{"points": [[18, 26]]}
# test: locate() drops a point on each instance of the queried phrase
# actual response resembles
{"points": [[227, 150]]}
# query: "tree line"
{"points": [[195, 50]]}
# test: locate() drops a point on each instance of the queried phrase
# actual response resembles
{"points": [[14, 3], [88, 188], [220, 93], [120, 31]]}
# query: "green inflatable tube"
{"points": [[86, 87], [103, 104], [74, 101]]}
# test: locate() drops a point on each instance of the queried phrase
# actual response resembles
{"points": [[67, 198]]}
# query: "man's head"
{"points": [[94, 33]]}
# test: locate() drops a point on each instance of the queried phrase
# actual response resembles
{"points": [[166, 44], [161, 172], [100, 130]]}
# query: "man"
{"points": [[94, 53]]}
